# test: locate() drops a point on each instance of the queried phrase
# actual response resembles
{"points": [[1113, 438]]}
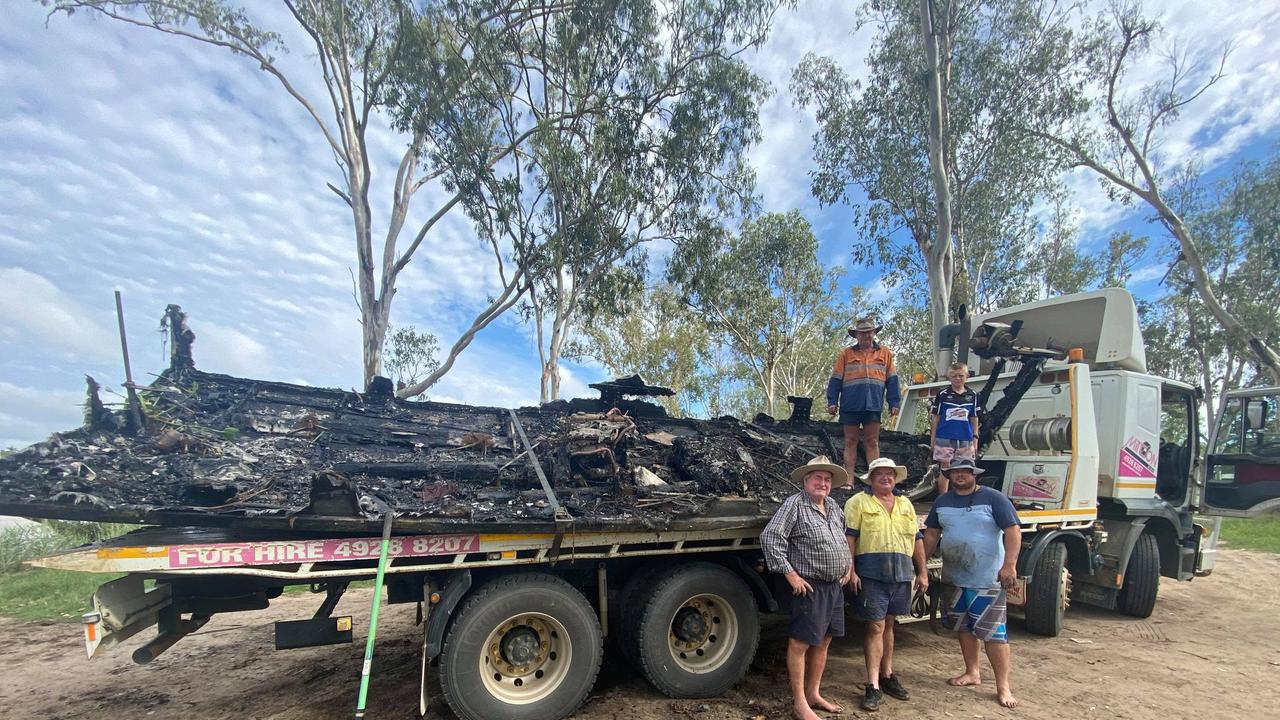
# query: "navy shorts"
{"points": [[859, 417], [818, 614], [878, 598]]}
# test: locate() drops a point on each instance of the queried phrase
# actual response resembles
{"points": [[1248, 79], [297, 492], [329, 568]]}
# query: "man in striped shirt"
{"points": [[864, 375], [805, 543]]}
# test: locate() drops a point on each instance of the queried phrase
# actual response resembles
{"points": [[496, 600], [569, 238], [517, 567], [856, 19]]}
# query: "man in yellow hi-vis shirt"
{"points": [[888, 554]]}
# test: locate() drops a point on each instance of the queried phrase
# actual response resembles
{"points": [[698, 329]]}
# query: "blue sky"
{"points": [[177, 173]]}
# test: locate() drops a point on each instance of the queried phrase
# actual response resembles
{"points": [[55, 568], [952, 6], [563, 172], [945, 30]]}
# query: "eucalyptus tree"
{"points": [[501, 105], [949, 181], [638, 115], [353, 49], [409, 355], [762, 290], [657, 337], [352, 46], [1123, 146], [1234, 223]]}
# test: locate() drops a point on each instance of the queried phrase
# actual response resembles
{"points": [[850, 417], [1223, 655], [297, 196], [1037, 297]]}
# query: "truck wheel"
{"points": [[627, 612], [1049, 592], [525, 647], [697, 631], [1141, 579]]}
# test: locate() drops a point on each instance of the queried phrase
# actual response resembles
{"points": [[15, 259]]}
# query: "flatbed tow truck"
{"points": [[1101, 459]]}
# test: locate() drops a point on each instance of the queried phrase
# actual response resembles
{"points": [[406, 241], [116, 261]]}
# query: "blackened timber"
{"points": [[259, 445], [533, 460]]}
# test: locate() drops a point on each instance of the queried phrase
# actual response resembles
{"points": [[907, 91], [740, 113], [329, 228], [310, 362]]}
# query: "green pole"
{"points": [[373, 616]]}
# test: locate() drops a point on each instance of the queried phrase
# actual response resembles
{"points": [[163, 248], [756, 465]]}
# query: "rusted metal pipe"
{"points": [[153, 649]]}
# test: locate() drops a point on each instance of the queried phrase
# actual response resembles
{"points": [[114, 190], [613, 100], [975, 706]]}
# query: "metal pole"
{"points": [[135, 411], [124, 342], [373, 616]]}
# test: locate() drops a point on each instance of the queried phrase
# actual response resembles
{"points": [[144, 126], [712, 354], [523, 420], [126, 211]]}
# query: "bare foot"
{"points": [[817, 702], [1006, 699], [802, 711], [965, 680]]}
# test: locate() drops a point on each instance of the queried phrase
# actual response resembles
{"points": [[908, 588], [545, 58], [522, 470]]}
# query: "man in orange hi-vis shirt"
{"points": [[863, 376]]}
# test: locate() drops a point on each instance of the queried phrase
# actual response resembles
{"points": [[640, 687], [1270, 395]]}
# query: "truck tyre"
{"points": [[525, 647], [696, 632], [627, 612], [1049, 592], [1141, 579]]}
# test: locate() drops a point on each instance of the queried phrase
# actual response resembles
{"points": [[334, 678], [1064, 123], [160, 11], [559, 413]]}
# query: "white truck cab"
{"points": [[1101, 458]]}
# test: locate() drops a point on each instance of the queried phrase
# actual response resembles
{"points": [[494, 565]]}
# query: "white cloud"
{"points": [[571, 386], [783, 158], [283, 304], [878, 291], [231, 351], [1233, 113], [32, 308], [1147, 273], [30, 414]]}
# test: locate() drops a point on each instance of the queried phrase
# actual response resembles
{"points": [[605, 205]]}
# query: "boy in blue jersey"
{"points": [[953, 423], [980, 535]]}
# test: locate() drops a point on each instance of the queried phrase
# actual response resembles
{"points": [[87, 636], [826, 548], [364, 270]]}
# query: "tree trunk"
{"points": [[374, 310], [771, 375], [1206, 372], [938, 254]]}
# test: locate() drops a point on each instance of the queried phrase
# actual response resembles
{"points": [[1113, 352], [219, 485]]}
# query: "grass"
{"points": [[44, 594], [1259, 533], [28, 542], [60, 595]]}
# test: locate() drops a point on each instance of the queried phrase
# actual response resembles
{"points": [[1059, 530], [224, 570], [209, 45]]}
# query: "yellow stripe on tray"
{"points": [[1047, 513]]}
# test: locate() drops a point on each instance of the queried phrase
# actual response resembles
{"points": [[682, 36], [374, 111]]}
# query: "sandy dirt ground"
{"points": [[1211, 650]]}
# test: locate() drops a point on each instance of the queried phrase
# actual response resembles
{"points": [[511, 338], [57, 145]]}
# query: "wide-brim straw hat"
{"points": [[865, 324], [884, 462], [963, 464], [821, 462]]}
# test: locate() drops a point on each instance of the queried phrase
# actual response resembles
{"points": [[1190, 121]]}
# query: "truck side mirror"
{"points": [[1256, 414]]}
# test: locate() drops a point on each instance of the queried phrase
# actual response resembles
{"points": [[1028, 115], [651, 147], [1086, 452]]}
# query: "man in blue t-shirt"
{"points": [[980, 538]]}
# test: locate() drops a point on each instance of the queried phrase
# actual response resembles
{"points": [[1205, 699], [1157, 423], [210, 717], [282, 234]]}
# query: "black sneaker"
{"points": [[893, 687], [871, 700]]}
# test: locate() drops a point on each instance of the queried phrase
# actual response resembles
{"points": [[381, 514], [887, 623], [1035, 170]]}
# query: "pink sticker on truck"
{"points": [[1137, 460], [285, 552], [1035, 486]]}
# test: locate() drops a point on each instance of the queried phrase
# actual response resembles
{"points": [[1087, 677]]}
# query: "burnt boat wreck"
{"points": [[204, 449]]}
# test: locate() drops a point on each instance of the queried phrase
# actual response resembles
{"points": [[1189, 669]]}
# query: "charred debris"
{"points": [[218, 450]]}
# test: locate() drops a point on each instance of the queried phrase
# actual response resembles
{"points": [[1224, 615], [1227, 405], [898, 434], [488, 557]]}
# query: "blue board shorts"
{"points": [[877, 599], [981, 612], [818, 614]]}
